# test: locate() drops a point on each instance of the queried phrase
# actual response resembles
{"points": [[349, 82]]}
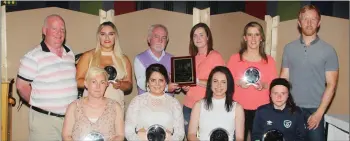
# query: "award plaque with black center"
{"points": [[183, 70]]}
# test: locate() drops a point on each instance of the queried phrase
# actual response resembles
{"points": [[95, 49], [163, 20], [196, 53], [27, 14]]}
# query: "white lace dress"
{"points": [[146, 110]]}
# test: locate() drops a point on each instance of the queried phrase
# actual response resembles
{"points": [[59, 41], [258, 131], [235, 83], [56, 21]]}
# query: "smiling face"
{"points": [[107, 37], [200, 38], [253, 38], [156, 83], [219, 85], [279, 96], [54, 31]]}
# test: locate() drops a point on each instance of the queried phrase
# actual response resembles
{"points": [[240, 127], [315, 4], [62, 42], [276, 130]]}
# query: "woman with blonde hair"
{"points": [[107, 54], [94, 117]]}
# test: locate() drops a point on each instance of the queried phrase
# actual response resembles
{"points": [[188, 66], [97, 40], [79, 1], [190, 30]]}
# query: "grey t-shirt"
{"points": [[307, 67]]}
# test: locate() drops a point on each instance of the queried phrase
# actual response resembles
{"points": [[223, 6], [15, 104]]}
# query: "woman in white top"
{"points": [[217, 109], [154, 107]]}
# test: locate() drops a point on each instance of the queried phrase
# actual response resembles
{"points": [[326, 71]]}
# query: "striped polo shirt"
{"points": [[52, 78]]}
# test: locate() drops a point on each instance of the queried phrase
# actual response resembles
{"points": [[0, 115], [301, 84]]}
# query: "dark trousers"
{"points": [[187, 116], [317, 134], [248, 122]]}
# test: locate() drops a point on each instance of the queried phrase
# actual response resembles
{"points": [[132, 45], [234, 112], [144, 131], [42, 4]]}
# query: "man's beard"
{"points": [[308, 31], [158, 48]]}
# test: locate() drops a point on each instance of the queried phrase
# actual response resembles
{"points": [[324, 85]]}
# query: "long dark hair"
{"points": [[230, 89], [156, 68], [290, 104], [193, 49], [244, 46]]}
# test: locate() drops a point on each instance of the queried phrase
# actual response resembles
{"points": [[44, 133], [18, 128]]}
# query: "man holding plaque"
{"points": [[46, 80], [312, 66], [157, 40]]}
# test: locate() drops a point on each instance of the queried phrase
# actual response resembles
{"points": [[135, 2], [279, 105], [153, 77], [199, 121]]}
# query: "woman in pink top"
{"points": [[252, 54], [94, 117], [201, 46]]}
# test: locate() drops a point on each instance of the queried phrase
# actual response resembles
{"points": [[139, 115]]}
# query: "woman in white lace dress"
{"points": [[217, 110], [154, 107]]}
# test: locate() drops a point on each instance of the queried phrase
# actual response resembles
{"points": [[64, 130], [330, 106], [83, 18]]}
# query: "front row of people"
{"points": [[96, 116]]}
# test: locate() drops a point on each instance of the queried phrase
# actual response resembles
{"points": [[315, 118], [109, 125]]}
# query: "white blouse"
{"points": [[146, 110], [217, 117]]}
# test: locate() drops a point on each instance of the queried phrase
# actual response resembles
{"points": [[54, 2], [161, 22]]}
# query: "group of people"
{"points": [[222, 97]]}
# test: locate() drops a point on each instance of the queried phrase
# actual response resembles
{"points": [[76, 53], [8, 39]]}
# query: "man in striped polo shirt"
{"points": [[46, 80]]}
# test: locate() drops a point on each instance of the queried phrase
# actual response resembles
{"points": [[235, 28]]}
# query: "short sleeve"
{"points": [[285, 63], [28, 67], [332, 63]]}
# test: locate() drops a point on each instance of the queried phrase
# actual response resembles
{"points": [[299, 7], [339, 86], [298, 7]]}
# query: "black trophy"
{"points": [[219, 134], [273, 135], [112, 72], [94, 136], [156, 133], [251, 76]]}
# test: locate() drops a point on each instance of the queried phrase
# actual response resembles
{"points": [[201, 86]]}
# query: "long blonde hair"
{"points": [[117, 54]]}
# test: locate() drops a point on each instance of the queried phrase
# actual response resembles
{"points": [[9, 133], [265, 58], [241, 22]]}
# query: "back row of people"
{"points": [[47, 78]]}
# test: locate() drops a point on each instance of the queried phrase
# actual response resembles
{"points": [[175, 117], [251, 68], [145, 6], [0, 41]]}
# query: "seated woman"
{"points": [[107, 53], [94, 115], [154, 108], [280, 114], [217, 109]]}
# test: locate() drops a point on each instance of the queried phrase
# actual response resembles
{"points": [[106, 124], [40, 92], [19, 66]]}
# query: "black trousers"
{"points": [[248, 122]]}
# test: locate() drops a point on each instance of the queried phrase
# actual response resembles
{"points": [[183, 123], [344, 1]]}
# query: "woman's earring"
{"points": [[148, 88]]}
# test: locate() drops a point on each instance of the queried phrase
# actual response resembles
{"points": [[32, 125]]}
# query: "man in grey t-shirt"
{"points": [[311, 65]]}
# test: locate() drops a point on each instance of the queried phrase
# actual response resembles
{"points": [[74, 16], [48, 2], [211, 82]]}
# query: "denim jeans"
{"points": [[317, 134], [187, 116]]}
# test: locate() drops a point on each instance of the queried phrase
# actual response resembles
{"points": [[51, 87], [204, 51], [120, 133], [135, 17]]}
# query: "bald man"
{"points": [[46, 81]]}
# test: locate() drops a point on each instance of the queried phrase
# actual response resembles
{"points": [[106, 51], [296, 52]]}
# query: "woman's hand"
{"points": [[242, 84], [142, 133], [260, 86], [116, 84], [186, 88], [168, 135]]}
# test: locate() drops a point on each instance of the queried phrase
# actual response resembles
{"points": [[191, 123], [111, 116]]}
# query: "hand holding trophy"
{"points": [[112, 72], [251, 76]]}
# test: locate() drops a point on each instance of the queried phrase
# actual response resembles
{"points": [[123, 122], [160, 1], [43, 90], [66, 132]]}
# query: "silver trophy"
{"points": [[94, 136], [273, 135], [156, 133], [219, 134], [252, 76], [112, 72]]}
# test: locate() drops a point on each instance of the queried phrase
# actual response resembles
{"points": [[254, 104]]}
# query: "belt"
{"points": [[45, 112]]}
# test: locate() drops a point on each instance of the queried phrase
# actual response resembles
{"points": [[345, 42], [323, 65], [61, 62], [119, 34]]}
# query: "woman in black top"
{"points": [[280, 114]]}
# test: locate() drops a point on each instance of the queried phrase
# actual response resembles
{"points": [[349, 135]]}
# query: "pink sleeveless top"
{"points": [[105, 124]]}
